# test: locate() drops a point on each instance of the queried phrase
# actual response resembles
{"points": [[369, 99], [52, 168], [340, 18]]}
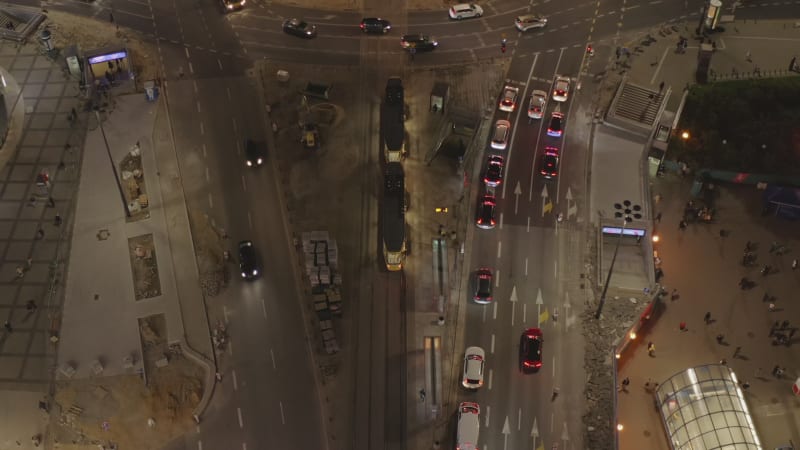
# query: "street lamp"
{"points": [[626, 211], [113, 167]]}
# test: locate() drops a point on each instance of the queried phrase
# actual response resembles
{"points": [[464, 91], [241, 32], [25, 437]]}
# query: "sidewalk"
{"points": [[100, 320], [710, 285]]}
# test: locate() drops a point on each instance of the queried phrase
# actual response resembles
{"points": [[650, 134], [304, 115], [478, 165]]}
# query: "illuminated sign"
{"points": [[627, 231], [108, 57]]}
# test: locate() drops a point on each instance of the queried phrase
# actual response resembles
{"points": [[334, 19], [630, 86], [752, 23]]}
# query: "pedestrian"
{"points": [[647, 384], [682, 326], [707, 318], [745, 385], [40, 234], [218, 376], [736, 352], [111, 16], [51, 203], [57, 219], [20, 272], [766, 297], [626, 381], [74, 114], [223, 233], [422, 395], [723, 362], [771, 331], [747, 56], [674, 296], [682, 225], [658, 217], [651, 349], [723, 233], [774, 369], [660, 87], [31, 305], [784, 324], [720, 338], [441, 230], [772, 307], [10, 329], [794, 264], [453, 236], [791, 332]]}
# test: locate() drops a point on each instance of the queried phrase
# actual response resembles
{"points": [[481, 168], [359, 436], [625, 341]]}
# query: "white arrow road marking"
{"points": [[506, 432], [517, 192], [535, 432]]}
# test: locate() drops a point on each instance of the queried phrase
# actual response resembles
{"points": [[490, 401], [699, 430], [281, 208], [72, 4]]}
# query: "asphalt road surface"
{"points": [[267, 398]]}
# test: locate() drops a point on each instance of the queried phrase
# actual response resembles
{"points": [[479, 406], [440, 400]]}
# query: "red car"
{"points": [[530, 350]]}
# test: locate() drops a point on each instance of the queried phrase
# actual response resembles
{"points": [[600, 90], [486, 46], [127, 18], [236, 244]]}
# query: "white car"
{"points": [[509, 101], [502, 130], [469, 426], [530, 22], [561, 89], [465, 11], [537, 105], [473, 368]]}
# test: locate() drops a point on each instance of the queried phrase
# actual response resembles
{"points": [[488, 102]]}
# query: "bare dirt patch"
{"points": [[118, 410], [144, 267], [209, 248]]}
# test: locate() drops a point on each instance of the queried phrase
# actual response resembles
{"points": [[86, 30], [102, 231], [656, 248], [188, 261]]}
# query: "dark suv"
{"points": [[375, 25], [418, 42], [248, 261]]}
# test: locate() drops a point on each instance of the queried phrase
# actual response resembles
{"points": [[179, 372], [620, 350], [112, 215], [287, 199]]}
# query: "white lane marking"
{"points": [[513, 309], [191, 68], [220, 64], [202, 129], [660, 63], [519, 419], [283, 419], [210, 201], [524, 312], [553, 365], [185, 49], [526, 267], [494, 311], [199, 109], [238, 148], [497, 278], [264, 307], [499, 249], [244, 184], [199, 445], [208, 175], [488, 412], [492, 347], [229, 93], [239, 413], [244, 445], [235, 127], [230, 348], [491, 375], [235, 381], [501, 221], [528, 229], [272, 355], [205, 152], [194, 85], [225, 313], [516, 122], [555, 268]]}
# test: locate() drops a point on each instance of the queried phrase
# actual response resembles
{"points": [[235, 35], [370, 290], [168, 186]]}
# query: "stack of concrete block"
{"points": [[321, 256]]}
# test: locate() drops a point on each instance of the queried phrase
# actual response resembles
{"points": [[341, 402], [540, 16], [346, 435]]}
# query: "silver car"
{"points": [[465, 11], [530, 22], [502, 129], [561, 89], [537, 105], [473, 368]]}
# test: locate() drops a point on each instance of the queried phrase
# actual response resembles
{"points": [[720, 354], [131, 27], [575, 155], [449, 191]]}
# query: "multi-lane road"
{"points": [[268, 399]]}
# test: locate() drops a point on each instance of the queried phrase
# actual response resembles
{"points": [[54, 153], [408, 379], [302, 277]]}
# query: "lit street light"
{"points": [[626, 211]]}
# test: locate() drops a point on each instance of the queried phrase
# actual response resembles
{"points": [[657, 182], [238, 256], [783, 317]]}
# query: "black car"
{"points": [[556, 125], [300, 28], [483, 286], [548, 166], [248, 261], [419, 42], [493, 176], [375, 25], [255, 152], [485, 215], [232, 5]]}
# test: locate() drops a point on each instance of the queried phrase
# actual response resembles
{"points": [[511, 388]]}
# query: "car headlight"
{"points": [[260, 161], [244, 275], [255, 272], [249, 163], [229, 5]]}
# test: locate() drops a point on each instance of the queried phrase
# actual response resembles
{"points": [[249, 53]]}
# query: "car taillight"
{"points": [[362, 26]]}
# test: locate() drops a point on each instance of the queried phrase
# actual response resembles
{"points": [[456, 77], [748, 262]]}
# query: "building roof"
{"points": [[703, 408]]}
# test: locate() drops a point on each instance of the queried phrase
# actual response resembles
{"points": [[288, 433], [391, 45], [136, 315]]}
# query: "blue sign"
{"points": [[108, 57]]}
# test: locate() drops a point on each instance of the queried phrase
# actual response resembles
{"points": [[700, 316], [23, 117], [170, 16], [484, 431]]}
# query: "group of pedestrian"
{"points": [[781, 333]]}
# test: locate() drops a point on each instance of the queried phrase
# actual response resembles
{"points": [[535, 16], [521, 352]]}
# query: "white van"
{"points": [[468, 426]]}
